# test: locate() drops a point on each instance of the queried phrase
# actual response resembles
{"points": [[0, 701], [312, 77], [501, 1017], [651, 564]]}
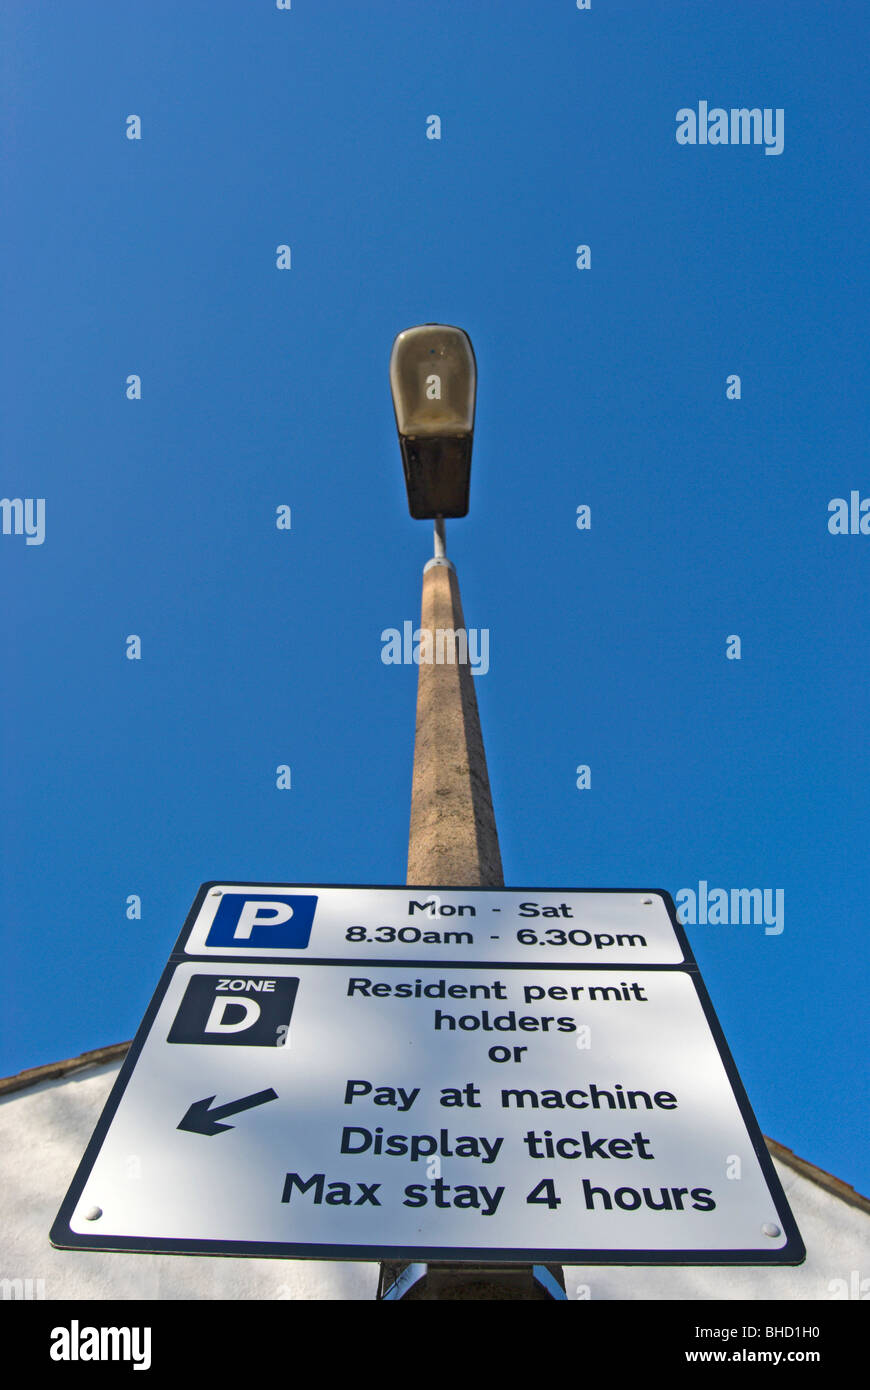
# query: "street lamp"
{"points": [[453, 837], [453, 841], [433, 378]]}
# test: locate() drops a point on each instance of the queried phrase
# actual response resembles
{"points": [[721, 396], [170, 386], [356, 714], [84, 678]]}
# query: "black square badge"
{"points": [[235, 1010]]}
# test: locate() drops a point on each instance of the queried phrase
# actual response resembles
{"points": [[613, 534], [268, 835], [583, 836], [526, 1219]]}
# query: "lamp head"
{"points": [[433, 378]]}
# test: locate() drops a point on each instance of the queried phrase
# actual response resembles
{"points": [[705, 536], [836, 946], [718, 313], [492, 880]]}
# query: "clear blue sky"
{"points": [[263, 387]]}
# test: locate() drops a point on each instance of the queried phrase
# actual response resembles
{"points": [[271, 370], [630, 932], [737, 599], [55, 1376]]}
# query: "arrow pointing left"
{"points": [[202, 1119]]}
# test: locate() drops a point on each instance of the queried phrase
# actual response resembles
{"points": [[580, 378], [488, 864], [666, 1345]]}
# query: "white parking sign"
{"points": [[523, 1109]]}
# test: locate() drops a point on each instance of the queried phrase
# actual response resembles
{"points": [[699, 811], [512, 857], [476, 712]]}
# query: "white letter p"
{"points": [[249, 917]]}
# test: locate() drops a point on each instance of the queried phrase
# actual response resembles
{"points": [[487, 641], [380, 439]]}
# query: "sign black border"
{"points": [[64, 1238]]}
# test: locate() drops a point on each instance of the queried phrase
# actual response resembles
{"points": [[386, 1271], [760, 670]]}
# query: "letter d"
{"points": [[215, 1023], [347, 1144]]}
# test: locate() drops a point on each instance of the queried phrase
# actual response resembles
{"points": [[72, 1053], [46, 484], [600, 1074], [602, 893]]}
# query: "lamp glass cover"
{"points": [[433, 377]]}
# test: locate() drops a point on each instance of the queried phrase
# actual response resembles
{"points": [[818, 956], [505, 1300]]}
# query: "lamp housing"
{"points": [[433, 378]]}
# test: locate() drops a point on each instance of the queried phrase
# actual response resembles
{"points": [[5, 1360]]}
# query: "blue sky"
{"points": [[603, 387]]}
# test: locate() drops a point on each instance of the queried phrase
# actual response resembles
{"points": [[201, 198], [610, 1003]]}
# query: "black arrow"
{"points": [[201, 1119]]}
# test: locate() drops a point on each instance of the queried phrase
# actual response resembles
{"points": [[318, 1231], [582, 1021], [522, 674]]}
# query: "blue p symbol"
{"points": [[261, 920]]}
